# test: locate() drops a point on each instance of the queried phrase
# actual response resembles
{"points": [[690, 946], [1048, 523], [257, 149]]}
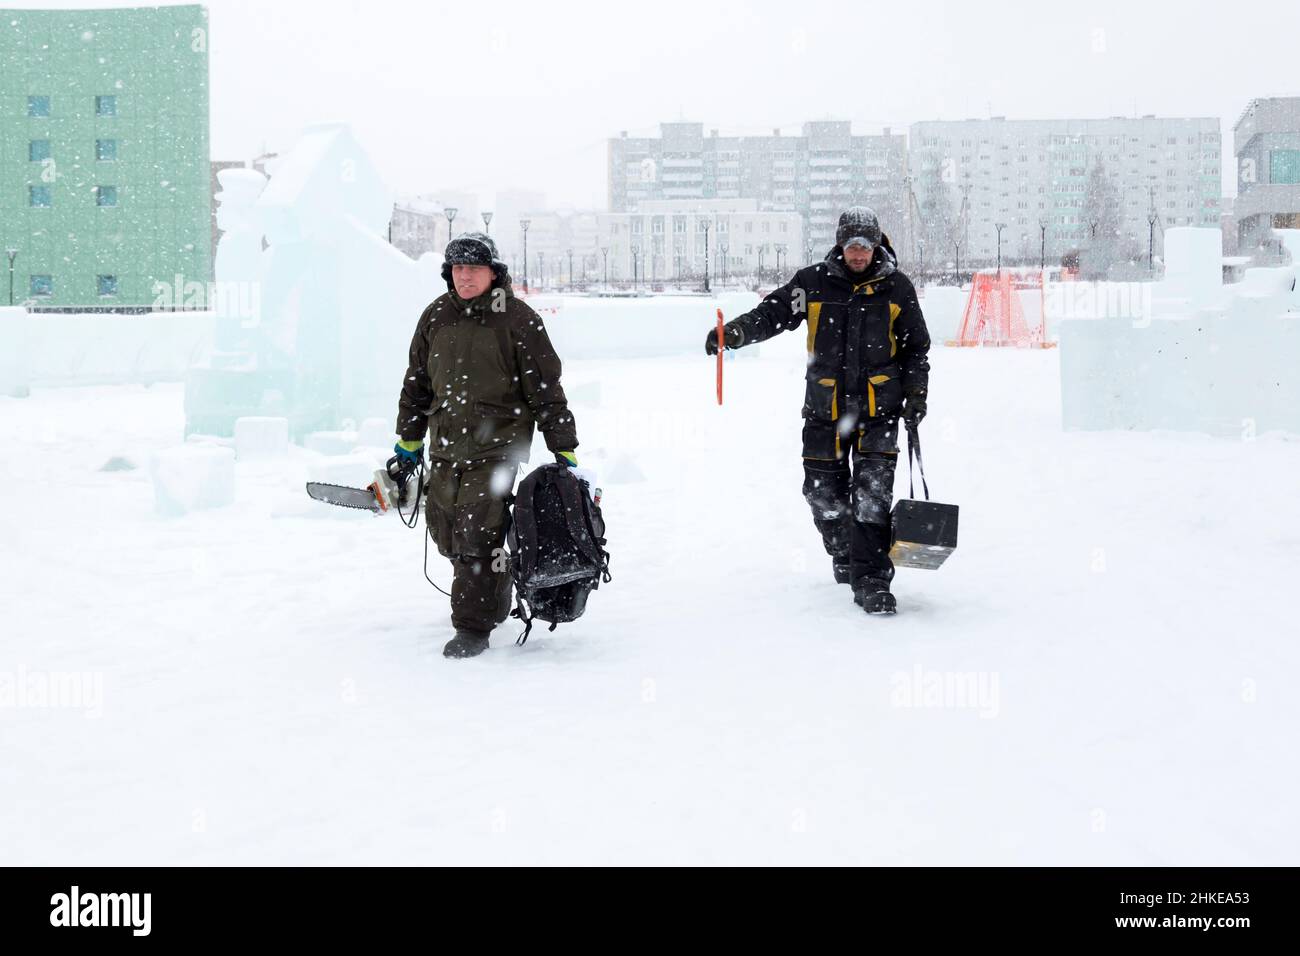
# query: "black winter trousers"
{"points": [[466, 513], [851, 505]]}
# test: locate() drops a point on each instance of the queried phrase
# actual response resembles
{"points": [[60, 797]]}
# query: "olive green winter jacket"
{"points": [[481, 375]]}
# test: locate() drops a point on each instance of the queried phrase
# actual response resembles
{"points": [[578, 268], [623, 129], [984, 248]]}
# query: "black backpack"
{"points": [[557, 547]]}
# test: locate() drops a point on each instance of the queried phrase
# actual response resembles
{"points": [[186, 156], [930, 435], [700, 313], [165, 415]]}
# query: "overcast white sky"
{"points": [[486, 96]]}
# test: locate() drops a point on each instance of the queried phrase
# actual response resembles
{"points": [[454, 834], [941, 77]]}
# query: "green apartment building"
{"points": [[104, 177]]}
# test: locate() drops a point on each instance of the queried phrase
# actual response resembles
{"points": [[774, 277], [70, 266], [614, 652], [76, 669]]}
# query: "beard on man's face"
{"points": [[859, 268]]}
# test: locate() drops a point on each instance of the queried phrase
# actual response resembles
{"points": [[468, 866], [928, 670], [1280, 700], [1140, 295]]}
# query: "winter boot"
{"points": [[466, 644], [873, 596], [841, 568]]}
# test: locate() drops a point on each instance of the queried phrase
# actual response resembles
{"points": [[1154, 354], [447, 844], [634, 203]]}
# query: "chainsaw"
{"points": [[388, 492]]}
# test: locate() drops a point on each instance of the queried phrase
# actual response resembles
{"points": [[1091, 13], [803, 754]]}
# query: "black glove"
{"points": [[914, 409], [735, 338], [401, 469]]}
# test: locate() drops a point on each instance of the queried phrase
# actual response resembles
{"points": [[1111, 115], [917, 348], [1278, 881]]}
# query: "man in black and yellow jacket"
{"points": [[867, 366]]}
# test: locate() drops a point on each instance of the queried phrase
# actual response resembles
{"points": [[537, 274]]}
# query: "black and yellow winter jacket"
{"points": [[867, 344]]}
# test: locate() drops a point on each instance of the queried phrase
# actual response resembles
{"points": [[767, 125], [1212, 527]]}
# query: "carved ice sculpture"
{"points": [[336, 304]]}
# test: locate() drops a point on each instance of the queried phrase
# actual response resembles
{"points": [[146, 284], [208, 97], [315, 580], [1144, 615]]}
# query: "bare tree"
{"points": [[939, 223], [1103, 214]]}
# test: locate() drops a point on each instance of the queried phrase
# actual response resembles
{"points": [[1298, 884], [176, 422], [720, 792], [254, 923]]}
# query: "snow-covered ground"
{"points": [[1121, 604]]}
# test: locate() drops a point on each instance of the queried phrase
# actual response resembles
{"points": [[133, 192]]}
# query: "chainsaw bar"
{"points": [[344, 496]]}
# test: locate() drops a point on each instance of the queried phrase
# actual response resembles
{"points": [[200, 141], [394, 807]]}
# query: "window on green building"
{"points": [[42, 285], [105, 195], [39, 196], [105, 105], [107, 285], [38, 150], [106, 150], [1284, 167], [38, 106]]}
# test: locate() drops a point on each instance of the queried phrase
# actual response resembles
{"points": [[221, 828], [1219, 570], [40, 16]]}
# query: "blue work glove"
{"points": [[410, 454], [412, 451]]}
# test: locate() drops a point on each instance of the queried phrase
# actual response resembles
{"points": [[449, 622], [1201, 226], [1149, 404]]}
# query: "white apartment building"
{"points": [[1031, 175], [420, 224], [561, 243], [417, 226], [665, 240], [818, 173]]}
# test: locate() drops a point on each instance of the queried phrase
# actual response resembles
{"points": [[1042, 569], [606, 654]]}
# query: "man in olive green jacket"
{"points": [[482, 374]]}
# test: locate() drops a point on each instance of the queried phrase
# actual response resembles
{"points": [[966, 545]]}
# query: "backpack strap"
{"points": [[604, 559], [524, 525], [523, 613], [590, 509], [578, 520]]}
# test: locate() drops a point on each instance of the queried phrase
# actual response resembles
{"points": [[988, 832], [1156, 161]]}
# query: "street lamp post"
{"points": [[965, 213], [541, 268], [920, 247], [570, 252], [999, 227], [1151, 230], [706, 255], [636, 263], [604, 257], [450, 213], [1042, 245], [12, 254], [956, 246], [911, 225], [723, 249], [487, 223], [523, 224]]}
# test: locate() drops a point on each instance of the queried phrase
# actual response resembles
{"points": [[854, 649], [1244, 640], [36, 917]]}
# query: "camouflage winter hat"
{"points": [[471, 249]]}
